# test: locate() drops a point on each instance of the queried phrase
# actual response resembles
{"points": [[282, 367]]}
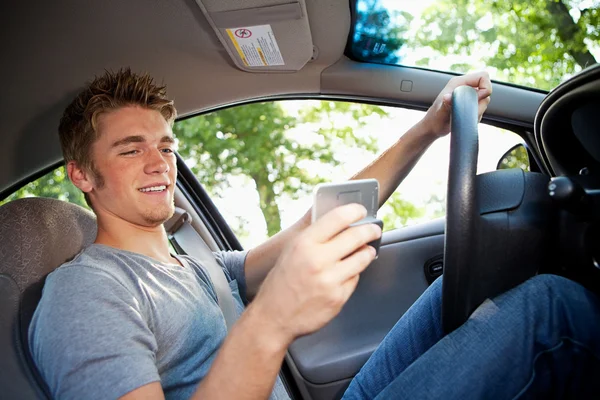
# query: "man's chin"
{"points": [[157, 217]]}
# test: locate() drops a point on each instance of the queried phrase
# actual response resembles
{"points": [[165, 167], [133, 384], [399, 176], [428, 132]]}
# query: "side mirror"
{"points": [[515, 157]]}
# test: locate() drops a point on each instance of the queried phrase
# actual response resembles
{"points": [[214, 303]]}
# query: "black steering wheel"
{"points": [[462, 211]]}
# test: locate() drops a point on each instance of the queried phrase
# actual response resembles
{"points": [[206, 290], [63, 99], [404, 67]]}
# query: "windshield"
{"points": [[538, 43]]}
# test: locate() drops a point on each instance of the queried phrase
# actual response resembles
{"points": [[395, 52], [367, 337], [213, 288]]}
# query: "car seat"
{"points": [[37, 235]]}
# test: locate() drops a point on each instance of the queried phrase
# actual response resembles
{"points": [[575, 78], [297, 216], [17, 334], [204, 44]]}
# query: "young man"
{"points": [[127, 319]]}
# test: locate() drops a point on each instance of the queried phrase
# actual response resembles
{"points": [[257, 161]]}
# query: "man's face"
{"points": [[134, 155]]}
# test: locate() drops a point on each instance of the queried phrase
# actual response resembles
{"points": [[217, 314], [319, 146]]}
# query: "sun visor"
{"points": [[262, 35]]}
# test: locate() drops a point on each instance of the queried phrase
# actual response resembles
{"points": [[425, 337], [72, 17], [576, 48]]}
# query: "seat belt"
{"points": [[186, 240]]}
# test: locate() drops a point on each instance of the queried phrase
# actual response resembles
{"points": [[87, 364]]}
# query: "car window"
{"points": [[516, 157], [537, 43], [55, 184], [260, 162]]}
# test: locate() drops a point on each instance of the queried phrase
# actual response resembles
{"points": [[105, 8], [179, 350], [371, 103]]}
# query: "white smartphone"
{"points": [[327, 196]]}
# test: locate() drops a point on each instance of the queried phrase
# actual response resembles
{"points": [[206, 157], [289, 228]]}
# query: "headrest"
{"points": [[37, 235]]}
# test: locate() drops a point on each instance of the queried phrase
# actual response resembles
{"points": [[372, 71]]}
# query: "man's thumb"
{"points": [[447, 99]]}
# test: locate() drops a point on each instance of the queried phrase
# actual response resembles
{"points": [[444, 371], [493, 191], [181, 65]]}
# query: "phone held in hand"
{"points": [[327, 196]]}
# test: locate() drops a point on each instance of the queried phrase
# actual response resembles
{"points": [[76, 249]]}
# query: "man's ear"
{"points": [[80, 178]]}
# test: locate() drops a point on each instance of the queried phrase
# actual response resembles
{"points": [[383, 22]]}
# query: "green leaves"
{"points": [[397, 212], [55, 184], [261, 141], [516, 158], [535, 43]]}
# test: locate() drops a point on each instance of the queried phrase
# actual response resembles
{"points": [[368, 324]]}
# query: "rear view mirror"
{"points": [[515, 157]]}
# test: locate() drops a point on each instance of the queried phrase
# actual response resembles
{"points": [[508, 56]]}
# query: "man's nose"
{"points": [[156, 163]]}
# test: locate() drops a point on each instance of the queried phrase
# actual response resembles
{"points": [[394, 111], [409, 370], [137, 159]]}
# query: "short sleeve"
{"points": [[88, 336], [233, 263]]}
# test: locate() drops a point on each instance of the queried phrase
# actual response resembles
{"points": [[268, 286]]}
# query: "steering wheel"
{"points": [[462, 210]]}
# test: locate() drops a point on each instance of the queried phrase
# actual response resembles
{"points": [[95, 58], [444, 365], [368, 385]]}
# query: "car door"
{"points": [[325, 362]]}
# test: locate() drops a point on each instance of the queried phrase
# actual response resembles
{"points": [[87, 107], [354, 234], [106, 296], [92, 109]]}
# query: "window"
{"points": [[260, 162], [536, 43], [55, 184]]}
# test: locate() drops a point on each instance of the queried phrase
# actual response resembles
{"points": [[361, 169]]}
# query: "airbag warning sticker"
{"points": [[256, 45]]}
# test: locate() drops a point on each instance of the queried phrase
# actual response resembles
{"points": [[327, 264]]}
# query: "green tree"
{"points": [[516, 158], [253, 140], [397, 212], [55, 184], [534, 43]]}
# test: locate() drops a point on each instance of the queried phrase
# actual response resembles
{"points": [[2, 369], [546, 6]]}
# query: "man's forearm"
{"points": [[394, 164], [389, 169], [248, 361], [262, 258]]}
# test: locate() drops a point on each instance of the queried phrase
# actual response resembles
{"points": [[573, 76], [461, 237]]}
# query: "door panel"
{"points": [[324, 362]]}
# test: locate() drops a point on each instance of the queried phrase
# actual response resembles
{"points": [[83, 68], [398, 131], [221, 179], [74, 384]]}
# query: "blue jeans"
{"points": [[538, 340]]}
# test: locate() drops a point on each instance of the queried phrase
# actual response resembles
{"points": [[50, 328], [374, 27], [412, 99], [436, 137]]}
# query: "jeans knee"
{"points": [[551, 285], [546, 293], [434, 291]]}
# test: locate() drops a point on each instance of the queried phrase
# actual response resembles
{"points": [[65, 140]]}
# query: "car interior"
{"points": [[501, 227]]}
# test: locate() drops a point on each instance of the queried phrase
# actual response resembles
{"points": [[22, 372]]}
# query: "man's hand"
{"points": [[437, 119], [316, 273], [313, 277]]}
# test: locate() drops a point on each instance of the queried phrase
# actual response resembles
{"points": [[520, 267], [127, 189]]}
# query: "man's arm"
{"points": [[245, 368], [389, 169], [315, 275], [395, 163], [261, 259]]}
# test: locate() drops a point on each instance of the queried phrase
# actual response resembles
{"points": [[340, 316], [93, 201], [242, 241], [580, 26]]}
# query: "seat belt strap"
{"points": [[186, 240]]}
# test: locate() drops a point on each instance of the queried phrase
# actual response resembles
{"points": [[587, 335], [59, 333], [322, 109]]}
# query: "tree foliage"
{"points": [[55, 184], [397, 212], [254, 140], [534, 43], [517, 157]]}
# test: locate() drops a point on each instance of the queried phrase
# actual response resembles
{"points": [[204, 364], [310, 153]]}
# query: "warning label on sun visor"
{"points": [[256, 45]]}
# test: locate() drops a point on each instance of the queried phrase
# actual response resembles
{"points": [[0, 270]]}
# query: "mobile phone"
{"points": [[327, 196]]}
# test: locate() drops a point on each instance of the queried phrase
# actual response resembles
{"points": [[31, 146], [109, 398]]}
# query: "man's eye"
{"points": [[129, 153], [167, 150]]}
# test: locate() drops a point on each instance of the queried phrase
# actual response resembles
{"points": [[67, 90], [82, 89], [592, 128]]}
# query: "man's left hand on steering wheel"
{"points": [[437, 119]]}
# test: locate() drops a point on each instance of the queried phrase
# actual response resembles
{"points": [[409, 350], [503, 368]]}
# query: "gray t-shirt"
{"points": [[110, 321]]}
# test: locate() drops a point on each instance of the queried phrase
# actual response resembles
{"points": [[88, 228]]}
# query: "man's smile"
{"points": [[154, 188]]}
